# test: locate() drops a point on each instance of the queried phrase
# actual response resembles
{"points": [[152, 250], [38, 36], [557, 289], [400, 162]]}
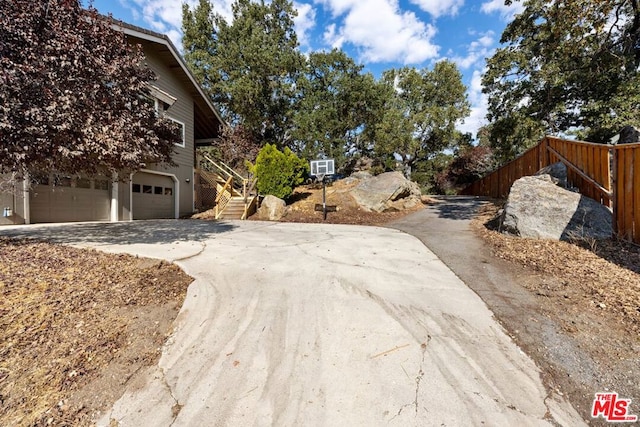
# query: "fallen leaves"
{"points": [[65, 314], [602, 274]]}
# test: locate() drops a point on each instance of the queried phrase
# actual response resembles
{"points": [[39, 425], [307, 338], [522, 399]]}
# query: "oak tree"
{"points": [[336, 104], [420, 118], [566, 66]]}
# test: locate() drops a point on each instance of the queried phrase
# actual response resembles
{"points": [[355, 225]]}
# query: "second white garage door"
{"points": [[153, 196]]}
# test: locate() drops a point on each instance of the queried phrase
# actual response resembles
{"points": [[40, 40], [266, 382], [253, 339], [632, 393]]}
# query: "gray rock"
{"points": [[537, 208], [629, 135], [361, 175], [556, 173], [272, 209], [379, 192]]}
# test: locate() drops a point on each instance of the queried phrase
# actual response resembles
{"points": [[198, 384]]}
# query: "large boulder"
{"points": [[379, 193], [272, 209], [537, 208], [556, 172], [629, 135]]}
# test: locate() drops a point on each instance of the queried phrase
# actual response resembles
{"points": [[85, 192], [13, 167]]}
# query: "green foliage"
{"points": [[421, 115], [71, 93], [249, 66], [323, 105], [426, 172], [469, 164], [277, 172], [565, 66], [335, 103]]}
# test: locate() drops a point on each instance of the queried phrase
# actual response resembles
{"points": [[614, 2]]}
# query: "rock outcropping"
{"points": [[385, 192]]}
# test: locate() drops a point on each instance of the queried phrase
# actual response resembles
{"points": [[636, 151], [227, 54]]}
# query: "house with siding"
{"points": [[154, 192]]}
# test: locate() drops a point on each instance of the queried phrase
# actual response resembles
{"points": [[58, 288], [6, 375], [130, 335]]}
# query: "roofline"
{"points": [[152, 36]]}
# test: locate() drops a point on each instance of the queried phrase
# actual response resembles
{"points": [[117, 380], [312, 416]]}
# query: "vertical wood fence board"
{"points": [[628, 191], [636, 196], [595, 161], [619, 193]]}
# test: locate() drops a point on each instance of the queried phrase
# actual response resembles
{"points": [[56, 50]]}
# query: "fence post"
{"points": [[614, 190], [544, 158]]}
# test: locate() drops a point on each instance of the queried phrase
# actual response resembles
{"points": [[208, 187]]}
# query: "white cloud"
{"points": [[332, 38], [479, 106], [506, 12], [165, 16], [477, 51], [380, 31], [439, 7], [304, 22]]}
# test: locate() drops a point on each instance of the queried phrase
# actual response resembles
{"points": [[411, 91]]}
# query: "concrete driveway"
{"points": [[319, 325]]}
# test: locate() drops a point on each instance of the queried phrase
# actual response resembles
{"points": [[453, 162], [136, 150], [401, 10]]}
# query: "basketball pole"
{"points": [[324, 199]]}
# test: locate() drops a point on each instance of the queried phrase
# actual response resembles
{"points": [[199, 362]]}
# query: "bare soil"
{"points": [[77, 325], [305, 205]]}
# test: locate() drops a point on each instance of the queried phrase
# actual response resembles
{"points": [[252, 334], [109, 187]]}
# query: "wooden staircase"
{"points": [[235, 195], [234, 209]]}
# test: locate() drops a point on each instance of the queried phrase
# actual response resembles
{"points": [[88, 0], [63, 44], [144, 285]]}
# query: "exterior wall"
{"points": [[124, 201], [182, 111], [15, 202]]}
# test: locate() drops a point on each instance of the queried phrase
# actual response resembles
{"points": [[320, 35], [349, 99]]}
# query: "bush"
{"points": [[277, 172]]}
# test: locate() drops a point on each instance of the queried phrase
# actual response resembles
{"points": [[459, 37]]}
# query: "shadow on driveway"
{"points": [[145, 232], [455, 207]]}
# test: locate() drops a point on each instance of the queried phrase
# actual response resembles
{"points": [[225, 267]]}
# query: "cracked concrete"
{"points": [[307, 324]]}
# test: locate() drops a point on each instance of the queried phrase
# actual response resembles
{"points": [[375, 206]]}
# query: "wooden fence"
{"points": [[609, 174]]}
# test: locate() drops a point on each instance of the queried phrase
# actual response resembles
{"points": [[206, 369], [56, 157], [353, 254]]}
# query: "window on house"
{"points": [[135, 188], [157, 190], [168, 191], [83, 183], [40, 178], [151, 102], [182, 131], [62, 181], [147, 189], [101, 184]]}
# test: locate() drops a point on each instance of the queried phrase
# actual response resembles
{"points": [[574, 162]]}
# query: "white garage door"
{"points": [[153, 196], [67, 199]]}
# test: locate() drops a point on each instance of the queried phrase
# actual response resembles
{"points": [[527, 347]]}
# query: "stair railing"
{"points": [[224, 197], [234, 182]]}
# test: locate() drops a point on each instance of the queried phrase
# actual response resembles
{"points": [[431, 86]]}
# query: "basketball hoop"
{"points": [[320, 169]]}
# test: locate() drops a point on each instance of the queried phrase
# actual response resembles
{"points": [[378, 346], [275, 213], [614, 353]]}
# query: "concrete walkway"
{"points": [[319, 325]]}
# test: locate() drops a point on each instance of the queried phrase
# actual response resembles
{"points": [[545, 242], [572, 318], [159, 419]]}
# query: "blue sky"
{"points": [[380, 34]]}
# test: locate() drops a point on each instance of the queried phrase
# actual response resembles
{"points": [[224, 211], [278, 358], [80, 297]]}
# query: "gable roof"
{"points": [[207, 117]]}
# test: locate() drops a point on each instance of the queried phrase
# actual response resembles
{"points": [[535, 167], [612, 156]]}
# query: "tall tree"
{"points": [[249, 65], [566, 66], [420, 119], [71, 93], [336, 101]]}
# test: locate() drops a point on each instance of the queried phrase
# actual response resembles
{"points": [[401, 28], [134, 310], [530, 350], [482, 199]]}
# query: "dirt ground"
{"points": [[305, 205], [76, 325], [590, 290]]}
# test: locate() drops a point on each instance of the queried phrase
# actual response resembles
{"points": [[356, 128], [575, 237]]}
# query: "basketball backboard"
{"points": [[322, 167]]}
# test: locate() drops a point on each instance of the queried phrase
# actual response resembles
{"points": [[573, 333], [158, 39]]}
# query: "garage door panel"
{"points": [[69, 204], [153, 196]]}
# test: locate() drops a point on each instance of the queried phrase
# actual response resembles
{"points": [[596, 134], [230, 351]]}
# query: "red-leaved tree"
{"points": [[71, 93]]}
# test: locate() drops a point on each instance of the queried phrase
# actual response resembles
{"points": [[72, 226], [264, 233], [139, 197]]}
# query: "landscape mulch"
{"points": [[67, 315]]}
